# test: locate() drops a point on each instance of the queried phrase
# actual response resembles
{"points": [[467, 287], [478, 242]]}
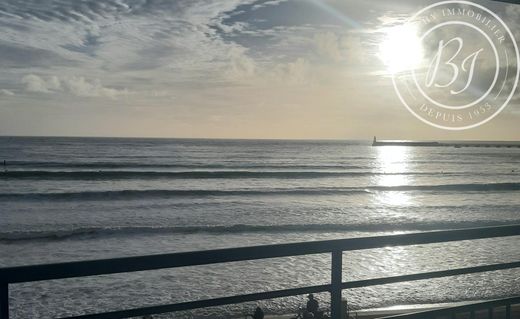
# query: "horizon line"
{"points": [[244, 139]]}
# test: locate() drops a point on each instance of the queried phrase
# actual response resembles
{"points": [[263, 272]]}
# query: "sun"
{"points": [[401, 48]]}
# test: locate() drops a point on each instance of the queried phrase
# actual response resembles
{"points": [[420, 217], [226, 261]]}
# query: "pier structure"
{"points": [[455, 144]]}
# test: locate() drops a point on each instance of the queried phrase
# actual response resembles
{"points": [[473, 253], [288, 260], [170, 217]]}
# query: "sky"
{"points": [[303, 69]]}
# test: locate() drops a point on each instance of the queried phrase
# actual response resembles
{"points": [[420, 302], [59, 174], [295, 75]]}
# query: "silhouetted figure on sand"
{"points": [[259, 313], [312, 305]]}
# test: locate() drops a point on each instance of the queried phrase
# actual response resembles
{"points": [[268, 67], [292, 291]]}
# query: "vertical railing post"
{"points": [[508, 311], [4, 300], [335, 281]]}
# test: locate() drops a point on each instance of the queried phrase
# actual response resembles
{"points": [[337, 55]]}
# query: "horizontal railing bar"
{"points": [[508, 1], [183, 259], [457, 309], [428, 275], [293, 292], [204, 303]]}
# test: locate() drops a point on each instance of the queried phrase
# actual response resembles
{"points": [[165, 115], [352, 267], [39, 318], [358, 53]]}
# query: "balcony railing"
{"points": [[488, 309], [335, 248]]}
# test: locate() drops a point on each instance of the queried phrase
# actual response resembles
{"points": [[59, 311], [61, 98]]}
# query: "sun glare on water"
{"points": [[401, 49], [393, 162]]}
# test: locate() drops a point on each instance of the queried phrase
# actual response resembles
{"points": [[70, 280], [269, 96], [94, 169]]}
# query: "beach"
{"points": [[67, 199]]}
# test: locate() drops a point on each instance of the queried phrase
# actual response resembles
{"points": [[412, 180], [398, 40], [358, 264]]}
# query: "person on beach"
{"points": [[312, 305], [259, 313]]}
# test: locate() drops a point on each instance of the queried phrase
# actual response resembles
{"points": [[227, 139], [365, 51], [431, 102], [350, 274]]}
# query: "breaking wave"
{"points": [[165, 193], [239, 228]]}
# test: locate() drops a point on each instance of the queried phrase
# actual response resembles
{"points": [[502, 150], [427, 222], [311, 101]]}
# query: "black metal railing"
{"points": [[14, 275]]}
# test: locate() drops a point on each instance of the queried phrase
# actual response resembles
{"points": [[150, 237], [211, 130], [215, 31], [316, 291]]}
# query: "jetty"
{"points": [[456, 144]]}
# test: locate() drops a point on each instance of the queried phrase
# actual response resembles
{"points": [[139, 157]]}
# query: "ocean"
{"points": [[66, 199]]}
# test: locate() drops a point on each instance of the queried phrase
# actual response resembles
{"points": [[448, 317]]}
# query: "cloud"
{"points": [[390, 19], [22, 56], [34, 83], [6, 92], [117, 35], [241, 66], [78, 86], [296, 72], [235, 27], [327, 45], [140, 45], [357, 52], [267, 3], [512, 19]]}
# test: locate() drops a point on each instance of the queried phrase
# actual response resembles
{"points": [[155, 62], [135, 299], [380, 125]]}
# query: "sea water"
{"points": [[68, 199]]}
